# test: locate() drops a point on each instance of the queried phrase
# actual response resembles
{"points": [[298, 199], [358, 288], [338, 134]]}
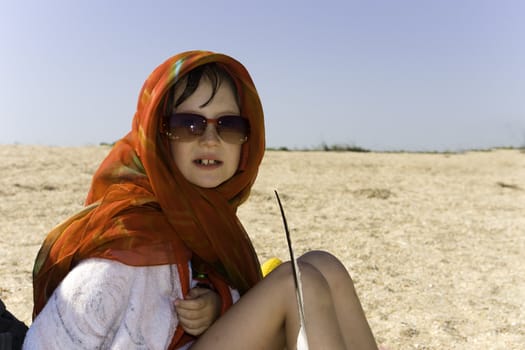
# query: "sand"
{"points": [[434, 242]]}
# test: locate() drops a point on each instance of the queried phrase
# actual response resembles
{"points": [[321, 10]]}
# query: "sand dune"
{"points": [[434, 242]]}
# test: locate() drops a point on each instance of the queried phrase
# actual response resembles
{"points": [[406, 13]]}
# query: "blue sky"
{"points": [[380, 74]]}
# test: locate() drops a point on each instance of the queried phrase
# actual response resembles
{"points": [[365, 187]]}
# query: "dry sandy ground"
{"points": [[434, 242]]}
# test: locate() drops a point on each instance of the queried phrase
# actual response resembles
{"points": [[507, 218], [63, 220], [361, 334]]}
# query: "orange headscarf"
{"points": [[140, 209]]}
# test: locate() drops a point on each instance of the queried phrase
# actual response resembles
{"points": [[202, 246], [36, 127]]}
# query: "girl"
{"points": [[158, 258]]}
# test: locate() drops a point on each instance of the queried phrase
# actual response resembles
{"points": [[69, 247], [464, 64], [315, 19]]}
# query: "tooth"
{"points": [[208, 161]]}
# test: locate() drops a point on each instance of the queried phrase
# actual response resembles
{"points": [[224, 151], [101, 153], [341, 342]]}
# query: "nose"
{"points": [[210, 136]]}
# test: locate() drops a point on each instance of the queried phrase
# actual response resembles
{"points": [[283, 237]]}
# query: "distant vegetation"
{"points": [[325, 147], [352, 148], [343, 147]]}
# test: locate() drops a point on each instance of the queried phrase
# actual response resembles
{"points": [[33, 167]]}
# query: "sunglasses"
{"points": [[188, 127]]}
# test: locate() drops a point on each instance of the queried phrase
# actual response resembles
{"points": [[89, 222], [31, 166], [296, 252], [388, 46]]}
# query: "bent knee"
{"points": [[310, 276], [320, 255], [323, 260], [330, 266]]}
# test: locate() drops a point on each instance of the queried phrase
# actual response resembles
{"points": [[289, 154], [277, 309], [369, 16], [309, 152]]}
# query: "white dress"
{"points": [[104, 304]]}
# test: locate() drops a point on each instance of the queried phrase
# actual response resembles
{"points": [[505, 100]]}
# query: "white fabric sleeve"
{"points": [[235, 295], [104, 304]]}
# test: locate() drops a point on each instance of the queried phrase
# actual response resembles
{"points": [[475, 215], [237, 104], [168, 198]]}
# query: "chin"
{"points": [[208, 184]]}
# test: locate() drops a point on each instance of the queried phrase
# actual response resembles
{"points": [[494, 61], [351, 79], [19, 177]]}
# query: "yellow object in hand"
{"points": [[269, 265]]}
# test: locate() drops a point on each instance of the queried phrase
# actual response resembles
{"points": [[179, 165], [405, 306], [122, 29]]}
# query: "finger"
{"points": [[190, 315], [198, 325], [189, 304], [197, 292], [192, 322], [194, 331]]}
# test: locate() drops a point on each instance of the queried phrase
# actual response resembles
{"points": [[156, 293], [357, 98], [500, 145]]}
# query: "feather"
{"points": [[302, 340]]}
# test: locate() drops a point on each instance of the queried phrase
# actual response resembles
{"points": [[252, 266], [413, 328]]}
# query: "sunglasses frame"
{"points": [[191, 135]]}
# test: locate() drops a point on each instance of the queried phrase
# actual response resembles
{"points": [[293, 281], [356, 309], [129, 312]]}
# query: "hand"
{"points": [[199, 310]]}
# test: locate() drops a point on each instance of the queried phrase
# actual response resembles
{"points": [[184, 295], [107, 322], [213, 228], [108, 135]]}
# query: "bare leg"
{"points": [[350, 314], [267, 318]]}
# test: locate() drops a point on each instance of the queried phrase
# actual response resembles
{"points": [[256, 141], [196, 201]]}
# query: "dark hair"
{"points": [[215, 74]]}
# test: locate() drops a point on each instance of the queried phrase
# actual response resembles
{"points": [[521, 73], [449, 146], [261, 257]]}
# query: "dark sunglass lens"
{"points": [[186, 126], [233, 129]]}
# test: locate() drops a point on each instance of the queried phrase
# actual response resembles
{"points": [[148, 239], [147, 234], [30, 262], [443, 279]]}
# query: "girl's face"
{"points": [[207, 161]]}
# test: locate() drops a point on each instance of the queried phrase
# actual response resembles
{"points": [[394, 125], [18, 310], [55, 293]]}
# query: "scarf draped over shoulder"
{"points": [[141, 211]]}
